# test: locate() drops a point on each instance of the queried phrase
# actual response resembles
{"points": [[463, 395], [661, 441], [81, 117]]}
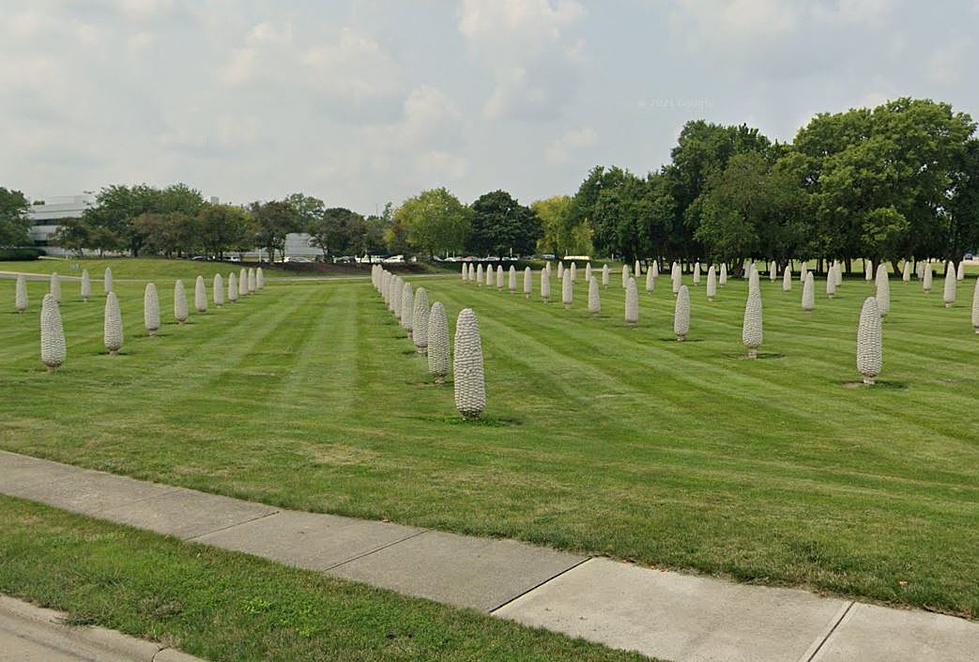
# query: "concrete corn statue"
{"points": [[567, 290], [545, 285], [676, 277], [53, 347], [808, 293], [407, 307], [883, 285], [605, 275], [112, 325], [787, 279], [528, 282], [631, 302], [975, 307], [625, 275], [438, 343], [754, 280], [696, 273], [467, 366], [868, 270], [651, 278], [465, 272], [588, 272], [948, 296], [251, 281], [831, 283], [512, 280], [839, 273], [711, 283], [594, 299], [803, 270], [654, 269], [499, 277], [906, 272], [772, 271], [752, 332], [232, 287], [200, 295], [259, 279], [107, 280], [560, 270], [217, 290], [243, 282], [20, 297], [151, 309], [397, 297], [179, 302], [472, 274], [681, 314], [960, 273], [479, 275], [54, 287], [926, 281], [419, 321], [86, 286], [637, 269], [574, 273], [722, 277], [869, 334]]}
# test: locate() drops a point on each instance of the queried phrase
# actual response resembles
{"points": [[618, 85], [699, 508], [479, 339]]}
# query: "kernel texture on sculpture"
{"points": [[467, 367]]}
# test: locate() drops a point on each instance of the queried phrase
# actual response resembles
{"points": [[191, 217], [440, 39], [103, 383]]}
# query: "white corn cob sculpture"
{"points": [[419, 321], [465, 272], [200, 295], [567, 290], [975, 307], [696, 273], [654, 269], [151, 309], [883, 285], [752, 331], [906, 272], [512, 280], [259, 279], [722, 278], [53, 347], [803, 270], [489, 275], [54, 288], [839, 274], [787, 279], [574, 273], [588, 271], [631, 302], [528, 282], [831, 283], [545, 285], [869, 335], [217, 290], [681, 314], [625, 275], [594, 299], [397, 297], [651, 278], [808, 295], [868, 270], [179, 302], [949, 294], [754, 280], [926, 281], [479, 275], [772, 271], [407, 307], [438, 343], [20, 298], [605, 275], [711, 282], [676, 277], [637, 269], [251, 281], [499, 277], [467, 367], [112, 325], [232, 287], [243, 282], [107, 280], [86, 286], [960, 273]]}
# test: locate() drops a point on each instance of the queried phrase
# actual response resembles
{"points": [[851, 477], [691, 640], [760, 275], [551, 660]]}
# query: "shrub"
{"points": [[467, 367], [20, 298], [407, 307], [54, 287], [948, 295], [594, 299], [438, 343], [567, 290], [217, 290], [20, 254], [631, 302], [419, 321], [200, 295], [512, 279], [752, 332], [681, 314], [711, 283], [883, 285], [605, 275], [528, 282], [545, 285], [151, 309], [232, 287], [808, 293], [54, 350], [179, 302], [112, 325], [86, 286], [107, 280], [869, 355]]}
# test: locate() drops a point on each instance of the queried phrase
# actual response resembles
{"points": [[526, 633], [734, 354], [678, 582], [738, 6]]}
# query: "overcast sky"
{"points": [[363, 101]]}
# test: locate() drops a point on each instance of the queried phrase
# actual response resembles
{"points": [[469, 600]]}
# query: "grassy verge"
{"points": [[225, 606], [598, 437]]}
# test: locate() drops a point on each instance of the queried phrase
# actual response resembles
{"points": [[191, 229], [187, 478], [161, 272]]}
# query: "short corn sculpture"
{"points": [[588, 272], [407, 307], [869, 334], [681, 314], [545, 285], [948, 296], [831, 283], [107, 280], [637, 269], [839, 273], [20, 298], [975, 307], [54, 287], [438, 343], [217, 290], [567, 290], [232, 287], [868, 270], [772, 271], [574, 273], [651, 278], [200, 295], [528, 282], [467, 367], [86, 286], [808, 294], [711, 283], [479, 275], [151, 309], [259, 279], [676, 277], [560, 270], [722, 277], [605, 276], [419, 321], [397, 297], [625, 275], [251, 281], [179, 302], [512, 280], [243, 283], [53, 347], [883, 285], [926, 281], [696, 273], [112, 325], [594, 299], [906, 272], [752, 331], [499, 277], [787, 279], [631, 303], [960, 273], [465, 272]]}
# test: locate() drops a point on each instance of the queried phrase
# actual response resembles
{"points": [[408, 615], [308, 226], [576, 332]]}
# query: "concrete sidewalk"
{"points": [[658, 613], [33, 634]]}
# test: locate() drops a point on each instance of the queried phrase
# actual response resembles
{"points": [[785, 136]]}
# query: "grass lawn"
{"points": [[225, 606], [598, 438]]}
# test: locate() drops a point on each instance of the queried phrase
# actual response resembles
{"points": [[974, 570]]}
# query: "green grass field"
{"points": [[598, 438]]}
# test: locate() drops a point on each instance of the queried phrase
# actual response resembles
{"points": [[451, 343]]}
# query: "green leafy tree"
{"points": [[434, 222], [222, 228], [338, 231], [501, 225], [271, 222], [14, 223]]}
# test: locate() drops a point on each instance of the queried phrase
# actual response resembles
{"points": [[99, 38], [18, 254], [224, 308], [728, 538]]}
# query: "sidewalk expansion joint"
{"points": [[537, 586], [829, 634]]}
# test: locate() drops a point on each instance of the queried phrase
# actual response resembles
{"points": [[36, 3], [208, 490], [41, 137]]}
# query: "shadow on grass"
{"points": [[878, 385], [673, 339]]}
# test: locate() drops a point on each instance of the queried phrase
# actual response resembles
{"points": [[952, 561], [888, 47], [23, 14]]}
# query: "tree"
{"points": [[433, 221], [222, 228], [501, 225], [338, 231], [271, 222], [309, 209], [14, 223], [559, 234]]}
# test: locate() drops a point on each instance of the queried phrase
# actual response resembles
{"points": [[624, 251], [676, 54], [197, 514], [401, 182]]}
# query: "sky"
{"points": [[361, 102]]}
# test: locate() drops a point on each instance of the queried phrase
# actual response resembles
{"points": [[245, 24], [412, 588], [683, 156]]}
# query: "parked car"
{"points": [[394, 259], [298, 259]]}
